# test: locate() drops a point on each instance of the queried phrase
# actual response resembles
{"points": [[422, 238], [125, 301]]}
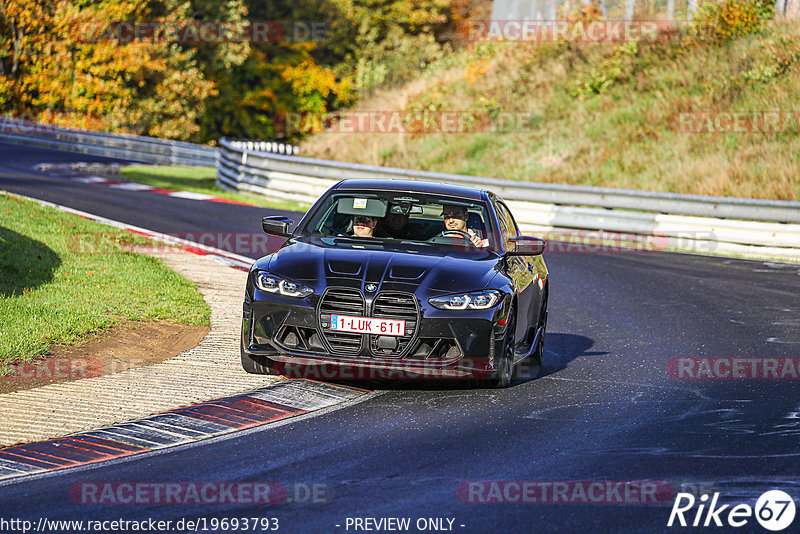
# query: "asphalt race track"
{"points": [[140, 208], [609, 407]]}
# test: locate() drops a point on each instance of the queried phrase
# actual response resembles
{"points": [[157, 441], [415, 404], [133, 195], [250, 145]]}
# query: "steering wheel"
{"points": [[334, 230], [456, 233]]}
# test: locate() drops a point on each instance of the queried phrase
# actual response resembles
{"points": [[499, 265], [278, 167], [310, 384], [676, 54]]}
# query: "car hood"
{"points": [[325, 260]]}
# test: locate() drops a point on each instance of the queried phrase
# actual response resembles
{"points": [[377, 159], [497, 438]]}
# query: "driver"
{"points": [[364, 225], [455, 218]]}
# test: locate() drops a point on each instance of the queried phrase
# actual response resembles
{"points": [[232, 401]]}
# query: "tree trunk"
{"points": [[629, 6], [552, 11], [691, 9], [18, 36]]}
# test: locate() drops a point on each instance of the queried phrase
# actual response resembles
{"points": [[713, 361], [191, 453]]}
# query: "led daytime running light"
{"points": [[273, 284], [482, 300]]}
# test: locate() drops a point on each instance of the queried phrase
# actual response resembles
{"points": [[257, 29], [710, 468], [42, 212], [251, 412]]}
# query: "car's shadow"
{"points": [[560, 349], [24, 263]]}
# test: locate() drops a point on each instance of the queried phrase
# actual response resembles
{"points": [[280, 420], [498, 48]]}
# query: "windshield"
{"points": [[400, 216]]}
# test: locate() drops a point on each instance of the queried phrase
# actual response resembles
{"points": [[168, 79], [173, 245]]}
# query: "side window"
{"points": [[502, 220], [507, 224]]}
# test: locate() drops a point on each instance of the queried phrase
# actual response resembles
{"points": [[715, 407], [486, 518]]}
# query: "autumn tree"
{"points": [[293, 71], [59, 63], [54, 66]]}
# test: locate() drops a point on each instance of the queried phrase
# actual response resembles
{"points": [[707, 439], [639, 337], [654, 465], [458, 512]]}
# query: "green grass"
{"points": [[624, 135], [53, 290], [200, 180]]}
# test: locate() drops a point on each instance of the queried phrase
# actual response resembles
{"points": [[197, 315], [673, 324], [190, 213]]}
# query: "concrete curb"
{"points": [[175, 427]]}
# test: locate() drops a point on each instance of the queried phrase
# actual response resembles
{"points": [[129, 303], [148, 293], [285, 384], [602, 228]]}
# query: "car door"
{"points": [[522, 272]]}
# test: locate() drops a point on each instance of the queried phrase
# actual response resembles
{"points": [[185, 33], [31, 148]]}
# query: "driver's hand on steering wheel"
{"points": [[477, 241], [468, 234]]}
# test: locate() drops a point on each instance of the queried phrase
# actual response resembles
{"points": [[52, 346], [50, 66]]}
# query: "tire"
{"points": [[503, 376], [257, 365], [542, 326]]}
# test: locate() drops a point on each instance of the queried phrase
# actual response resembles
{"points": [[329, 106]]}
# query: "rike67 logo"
{"points": [[774, 510]]}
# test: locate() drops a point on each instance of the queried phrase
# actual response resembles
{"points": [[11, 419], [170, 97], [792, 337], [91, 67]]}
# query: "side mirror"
{"points": [[276, 225], [527, 246]]}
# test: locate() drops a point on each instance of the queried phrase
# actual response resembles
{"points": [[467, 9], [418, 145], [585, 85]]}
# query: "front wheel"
{"points": [[541, 328], [257, 365], [505, 369]]}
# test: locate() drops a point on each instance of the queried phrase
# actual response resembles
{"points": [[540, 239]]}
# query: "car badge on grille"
{"points": [[371, 288]]}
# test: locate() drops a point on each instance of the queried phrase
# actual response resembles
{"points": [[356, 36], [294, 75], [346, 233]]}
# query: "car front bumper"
{"points": [[291, 334]]}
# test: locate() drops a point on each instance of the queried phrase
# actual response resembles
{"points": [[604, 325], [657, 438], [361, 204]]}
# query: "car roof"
{"points": [[411, 186]]}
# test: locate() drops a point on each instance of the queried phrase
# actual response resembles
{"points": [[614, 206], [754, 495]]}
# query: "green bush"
{"points": [[396, 59], [612, 69], [772, 60]]}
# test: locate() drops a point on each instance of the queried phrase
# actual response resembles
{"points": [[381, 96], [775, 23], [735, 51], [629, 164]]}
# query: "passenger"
{"points": [[364, 226], [455, 219], [395, 223]]}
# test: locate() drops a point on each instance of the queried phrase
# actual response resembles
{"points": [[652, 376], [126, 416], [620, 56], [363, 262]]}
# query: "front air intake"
{"points": [[395, 305], [341, 301]]}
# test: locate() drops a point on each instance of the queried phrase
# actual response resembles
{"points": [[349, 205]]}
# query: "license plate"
{"points": [[368, 325]]}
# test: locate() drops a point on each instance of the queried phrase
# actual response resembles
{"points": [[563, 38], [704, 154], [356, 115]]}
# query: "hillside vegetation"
{"points": [[609, 114], [201, 69]]}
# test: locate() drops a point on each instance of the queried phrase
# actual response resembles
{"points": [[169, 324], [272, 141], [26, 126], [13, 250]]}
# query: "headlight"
{"points": [[481, 300], [274, 284]]}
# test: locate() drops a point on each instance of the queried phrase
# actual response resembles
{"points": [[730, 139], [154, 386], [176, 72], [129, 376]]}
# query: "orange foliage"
{"points": [[53, 69]]}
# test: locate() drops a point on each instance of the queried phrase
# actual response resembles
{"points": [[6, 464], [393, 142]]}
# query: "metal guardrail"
{"points": [[130, 147], [742, 226], [766, 225], [260, 169]]}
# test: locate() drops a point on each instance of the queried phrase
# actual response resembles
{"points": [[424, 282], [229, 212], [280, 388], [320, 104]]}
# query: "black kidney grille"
{"points": [[395, 305], [341, 301]]}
